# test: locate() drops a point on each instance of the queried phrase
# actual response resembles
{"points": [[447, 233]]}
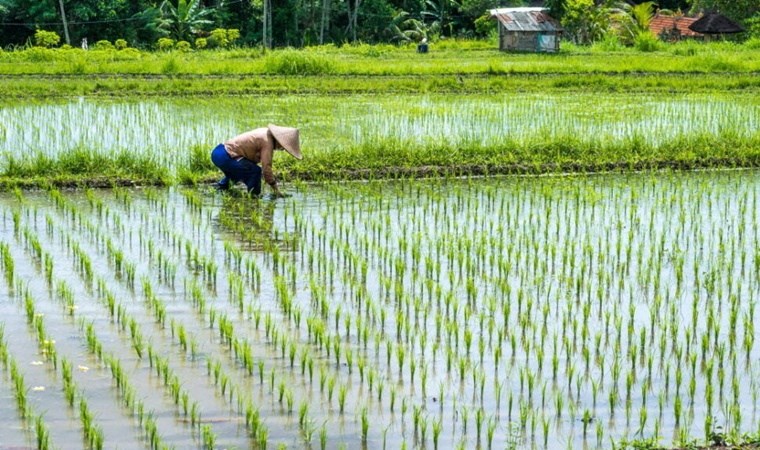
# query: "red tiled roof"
{"points": [[667, 23]]}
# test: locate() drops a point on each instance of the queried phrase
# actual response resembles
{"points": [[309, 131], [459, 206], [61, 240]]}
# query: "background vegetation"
{"points": [[223, 23]]}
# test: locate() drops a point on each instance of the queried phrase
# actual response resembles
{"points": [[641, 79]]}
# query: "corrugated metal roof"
{"points": [[525, 19]]}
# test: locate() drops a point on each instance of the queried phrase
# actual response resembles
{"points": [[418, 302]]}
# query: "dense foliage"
{"points": [[141, 23]]}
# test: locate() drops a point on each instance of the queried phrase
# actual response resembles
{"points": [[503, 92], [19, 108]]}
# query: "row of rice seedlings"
{"points": [[242, 351], [41, 431], [575, 334], [169, 378], [221, 380], [6, 258], [336, 347], [466, 121], [93, 434], [163, 370]]}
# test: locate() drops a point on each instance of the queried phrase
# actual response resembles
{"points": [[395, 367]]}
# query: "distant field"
{"points": [[471, 66], [125, 117]]}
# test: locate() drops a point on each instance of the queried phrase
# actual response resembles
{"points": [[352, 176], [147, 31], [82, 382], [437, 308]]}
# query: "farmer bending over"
{"points": [[239, 157]]}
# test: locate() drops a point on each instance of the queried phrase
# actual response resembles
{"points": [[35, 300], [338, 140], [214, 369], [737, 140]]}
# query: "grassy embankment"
{"points": [[36, 76]]}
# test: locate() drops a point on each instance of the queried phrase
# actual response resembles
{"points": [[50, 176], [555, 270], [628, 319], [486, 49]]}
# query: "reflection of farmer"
{"points": [[239, 157]]}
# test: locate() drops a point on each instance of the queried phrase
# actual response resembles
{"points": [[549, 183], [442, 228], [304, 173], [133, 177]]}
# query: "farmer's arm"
{"points": [[267, 152]]}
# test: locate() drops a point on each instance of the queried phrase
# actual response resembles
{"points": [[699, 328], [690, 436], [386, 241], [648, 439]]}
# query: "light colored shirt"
{"points": [[256, 146]]}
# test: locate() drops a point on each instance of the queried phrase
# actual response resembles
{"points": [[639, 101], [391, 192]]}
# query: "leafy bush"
{"points": [[201, 43], [121, 44], [647, 42], [294, 62], [183, 46], [128, 54], [46, 39], [170, 66], [753, 43], [40, 54], [753, 26], [485, 25], [610, 43], [103, 45], [165, 44], [223, 38]]}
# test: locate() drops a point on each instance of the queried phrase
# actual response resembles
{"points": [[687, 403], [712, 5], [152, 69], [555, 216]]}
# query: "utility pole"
{"points": [[267, 24], [65, 25], [325, 24]]}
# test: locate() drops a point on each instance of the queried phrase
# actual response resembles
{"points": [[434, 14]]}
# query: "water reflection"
{"points": [[251, 223]]}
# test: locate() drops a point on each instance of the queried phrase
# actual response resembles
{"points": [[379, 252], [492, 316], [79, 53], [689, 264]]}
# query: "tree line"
{"points": [[297, 23]]}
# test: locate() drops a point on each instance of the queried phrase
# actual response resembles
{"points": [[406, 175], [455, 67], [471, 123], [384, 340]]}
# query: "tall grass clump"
{"points": [[294, 62], [88, 163], [647, 42]]}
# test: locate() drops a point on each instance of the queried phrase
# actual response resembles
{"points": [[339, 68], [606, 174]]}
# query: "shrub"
{"points": [[46, 39], [103, 45], [128, 54], [646, 42], [201, 43], [165, 44], [294, 62], [183, 46], [753, 26], [121, 44], [223, 38], [610, 43], [170, 66], [485, 25], [753, 43], [39, 54]]}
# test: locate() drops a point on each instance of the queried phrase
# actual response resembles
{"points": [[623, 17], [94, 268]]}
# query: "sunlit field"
{"points": [[548, 312], [131, 138]]}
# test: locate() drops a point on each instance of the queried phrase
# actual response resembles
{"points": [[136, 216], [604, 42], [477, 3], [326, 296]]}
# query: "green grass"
{"points": [[387, 137], [452, 57], [451, 66], [377, 111], [83, 167]]}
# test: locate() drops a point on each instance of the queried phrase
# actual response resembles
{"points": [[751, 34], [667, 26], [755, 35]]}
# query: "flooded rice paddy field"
{"points": [[165, 130], [552, 312]]}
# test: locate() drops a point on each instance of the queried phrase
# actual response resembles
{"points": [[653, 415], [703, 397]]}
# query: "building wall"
{"points": [[526, 41]]}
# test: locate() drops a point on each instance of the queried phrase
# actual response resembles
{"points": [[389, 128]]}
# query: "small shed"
{"points": [[527, 29]]}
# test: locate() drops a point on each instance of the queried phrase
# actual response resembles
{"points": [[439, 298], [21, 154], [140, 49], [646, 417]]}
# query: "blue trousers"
{"points": [[236, 170]]}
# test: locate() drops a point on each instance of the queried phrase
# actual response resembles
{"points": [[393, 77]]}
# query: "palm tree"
{"points": [[442, 13], [633, 20], [405, 28], [184, 20]]}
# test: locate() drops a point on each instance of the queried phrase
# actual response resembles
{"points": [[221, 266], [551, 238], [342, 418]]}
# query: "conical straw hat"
{"points": [[288, 139]]}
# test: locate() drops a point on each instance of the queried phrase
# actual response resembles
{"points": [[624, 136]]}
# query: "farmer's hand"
{"points": [[276, 193]]}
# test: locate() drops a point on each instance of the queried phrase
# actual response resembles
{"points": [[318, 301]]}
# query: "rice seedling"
{"points": [[601, 348]]}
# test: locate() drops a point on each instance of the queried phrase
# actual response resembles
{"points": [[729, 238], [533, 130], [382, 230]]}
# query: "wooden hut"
{"points": [[527, 30]]}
